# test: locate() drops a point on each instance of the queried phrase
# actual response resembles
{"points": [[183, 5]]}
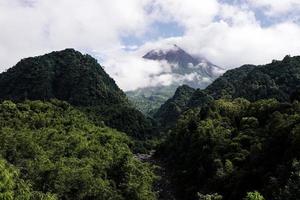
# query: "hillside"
{"points": [[239, 135], [78, 79], [174, 106], [278, 80], [55, 152], [232, 147], [148, 100], [185, 69]]}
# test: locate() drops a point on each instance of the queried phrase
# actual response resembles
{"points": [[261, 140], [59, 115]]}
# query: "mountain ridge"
{"points": [[278, 80], [78, 79], [196, 72]]}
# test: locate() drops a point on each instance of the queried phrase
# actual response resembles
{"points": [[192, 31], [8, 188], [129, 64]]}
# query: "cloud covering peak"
{"points": [[227, 32]]}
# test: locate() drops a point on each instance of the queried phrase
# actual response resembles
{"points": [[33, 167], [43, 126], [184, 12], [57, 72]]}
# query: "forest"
{"points": [[67, 131], [50, 150]]}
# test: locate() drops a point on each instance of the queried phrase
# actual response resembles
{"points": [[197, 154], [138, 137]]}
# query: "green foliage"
{"points": [[169, 112], [277, 80], [7, 182], [66, 75], [12, 187], [59, 151], [210, 197], [148, 100], [130, 120], [254, 196], [78, 79], [234, 146]]}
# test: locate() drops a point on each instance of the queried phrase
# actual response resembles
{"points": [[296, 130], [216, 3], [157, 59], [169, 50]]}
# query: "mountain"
{"points": [[279, 80], [78, 79], [201, 71], [175, 105], [185, 69], [232, 147], [238, 138], [149, 99]]}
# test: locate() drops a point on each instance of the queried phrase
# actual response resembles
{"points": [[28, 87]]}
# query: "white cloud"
{"points": [[237, 38], [275, 7], [228, 35], [232, 46], [131, 71], [189, 13], [33, 27]]}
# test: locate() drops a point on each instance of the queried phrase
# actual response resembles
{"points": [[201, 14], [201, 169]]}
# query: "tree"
{"points": [[214, 196], [254, 196]]}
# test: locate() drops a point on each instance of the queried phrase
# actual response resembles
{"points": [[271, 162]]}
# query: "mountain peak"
{"points": [[172, 54], [66, 75]]}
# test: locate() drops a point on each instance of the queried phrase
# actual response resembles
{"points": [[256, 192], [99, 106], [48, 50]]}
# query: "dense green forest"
{"points": [[174, 106], [239, 135], [279, 80], [55, 152], [68, 132], [78, 79], [231, 147]]}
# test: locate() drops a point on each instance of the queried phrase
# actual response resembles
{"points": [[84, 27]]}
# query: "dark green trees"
{"points": [[66, 75], [233, 146], [78, 79], [169, 112], [278, 80]]}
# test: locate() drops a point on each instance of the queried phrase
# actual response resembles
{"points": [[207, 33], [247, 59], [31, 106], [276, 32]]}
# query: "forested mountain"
{"points": [[185, 69], [238, 139], [224, 146], [55, 152], [232, 147], [279, 80], [175, 105], [78, 79]]}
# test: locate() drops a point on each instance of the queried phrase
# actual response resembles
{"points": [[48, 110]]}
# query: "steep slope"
{"points": [[185, 69], [170, 110], [279, 80], [78, 79]]}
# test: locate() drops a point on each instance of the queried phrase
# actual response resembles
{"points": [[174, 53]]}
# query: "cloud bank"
{"points": [[227, 32]]}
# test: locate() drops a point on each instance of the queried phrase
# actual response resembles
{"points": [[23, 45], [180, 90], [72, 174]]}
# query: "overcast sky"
{"points": [[229, 33]]}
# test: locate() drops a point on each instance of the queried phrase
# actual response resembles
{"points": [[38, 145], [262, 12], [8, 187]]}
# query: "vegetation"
{"points": [[169, 112], [234, 146], [78, 79], [254, 196], [200, 73], [148, 100], [278, 80], [237, 139], [55, 152]]}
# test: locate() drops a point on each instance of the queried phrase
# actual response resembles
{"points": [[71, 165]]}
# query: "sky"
{"points": [[118, 33]]}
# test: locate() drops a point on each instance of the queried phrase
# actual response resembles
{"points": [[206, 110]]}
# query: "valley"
{"points": [[183, 68]]}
